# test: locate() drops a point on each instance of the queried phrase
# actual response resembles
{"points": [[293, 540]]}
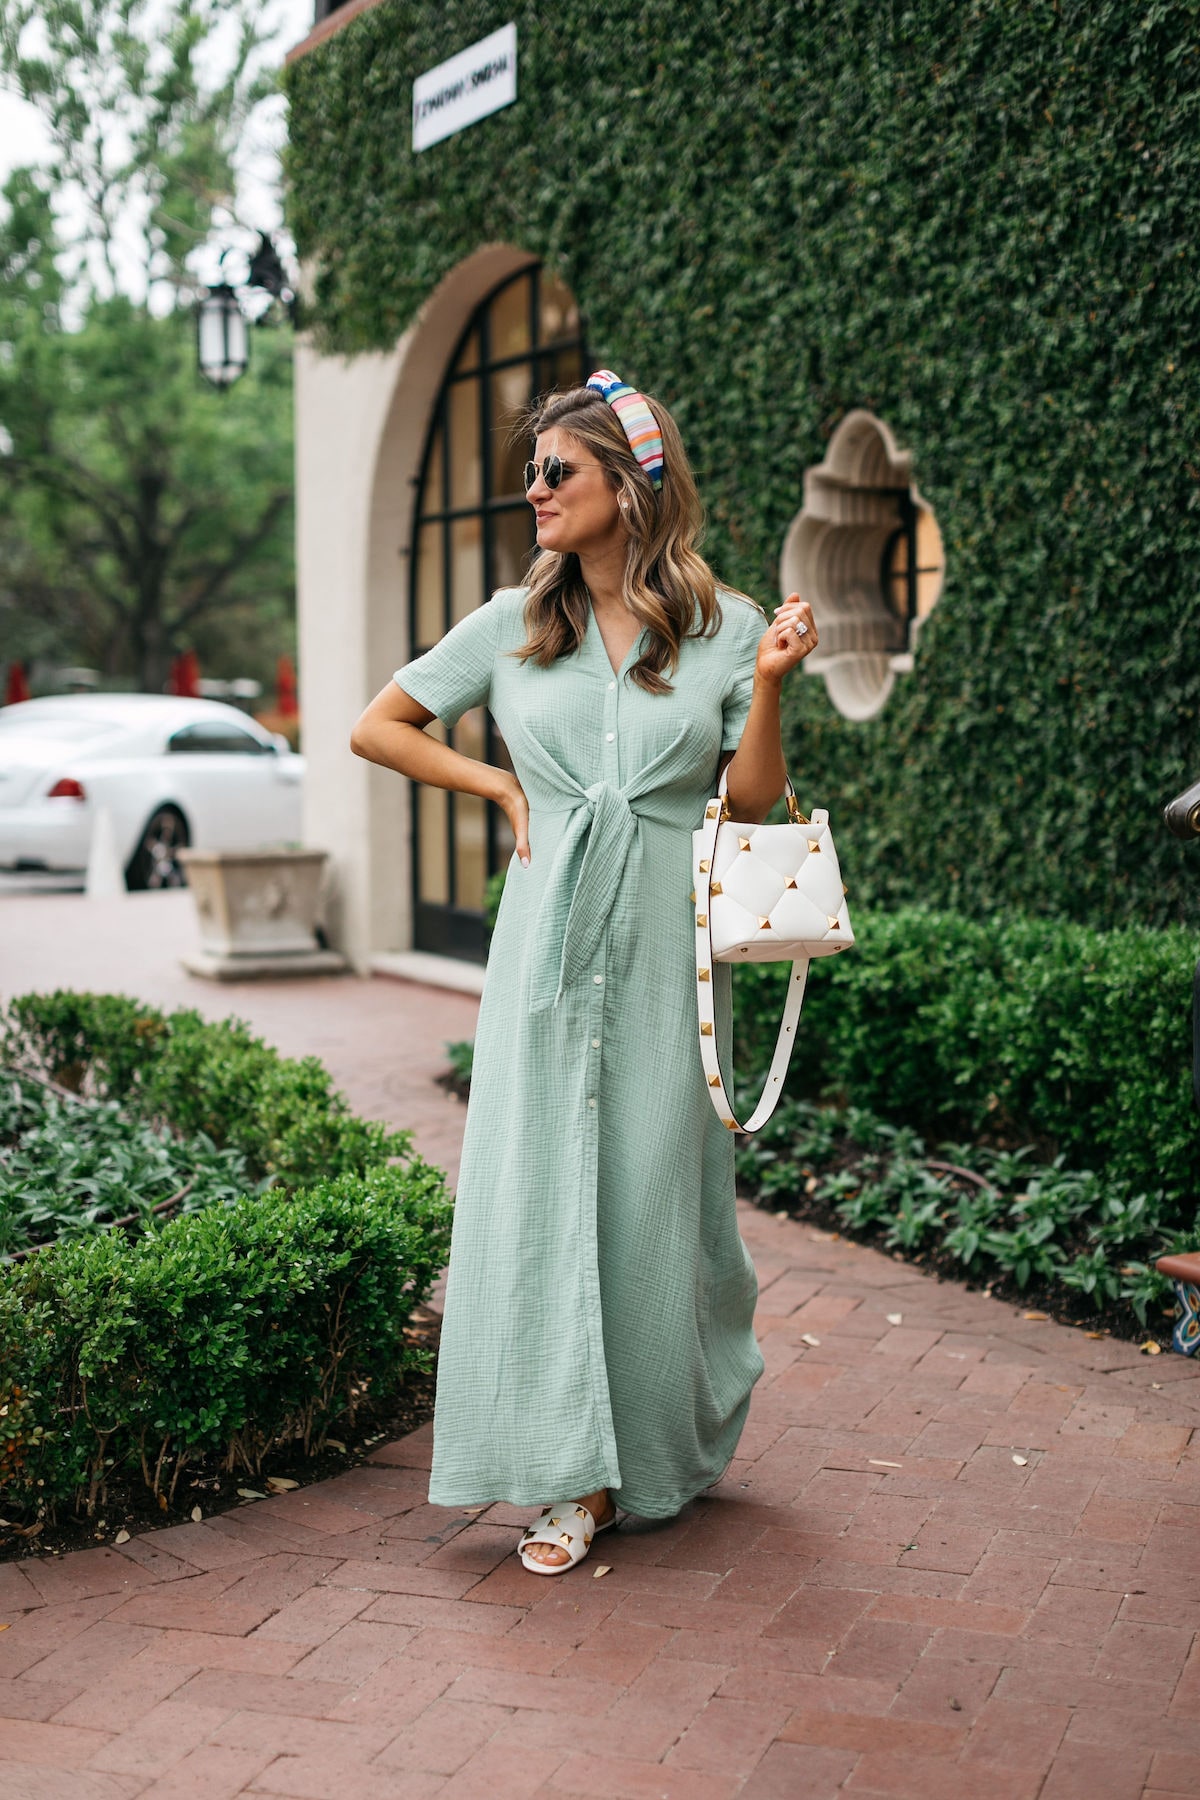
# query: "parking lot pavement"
{"points": [[957, 1553]]}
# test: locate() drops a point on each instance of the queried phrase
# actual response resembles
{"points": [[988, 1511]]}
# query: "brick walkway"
{"points": [[958, 1554]]}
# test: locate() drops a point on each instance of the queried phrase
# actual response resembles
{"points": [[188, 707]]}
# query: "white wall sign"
{"points": [[467, 87]]}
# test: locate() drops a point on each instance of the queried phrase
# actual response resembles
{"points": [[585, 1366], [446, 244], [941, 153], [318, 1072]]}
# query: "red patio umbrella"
{"points": [[16, 688], [286, 704], [186, 675]]}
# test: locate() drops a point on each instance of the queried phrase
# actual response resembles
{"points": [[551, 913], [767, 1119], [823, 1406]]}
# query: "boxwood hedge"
{"points": [[231, 1331], [1017, 1030], [253, 1322]]}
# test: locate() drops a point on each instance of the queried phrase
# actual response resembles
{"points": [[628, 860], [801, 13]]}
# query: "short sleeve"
{"points": [[457, 673], [746, 624]]}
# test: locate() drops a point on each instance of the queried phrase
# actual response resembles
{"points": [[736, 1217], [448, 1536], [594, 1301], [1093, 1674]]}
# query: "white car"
{"points": [[169, 772]]}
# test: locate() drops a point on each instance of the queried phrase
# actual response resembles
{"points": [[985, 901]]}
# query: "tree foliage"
{"points": [[977, 220], [141, 511]]}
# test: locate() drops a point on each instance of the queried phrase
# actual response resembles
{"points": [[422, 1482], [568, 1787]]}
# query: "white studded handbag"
{"points": [[764, 893]]}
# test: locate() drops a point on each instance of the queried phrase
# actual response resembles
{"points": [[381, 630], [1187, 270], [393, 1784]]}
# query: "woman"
{"points": [[598, 1345]]}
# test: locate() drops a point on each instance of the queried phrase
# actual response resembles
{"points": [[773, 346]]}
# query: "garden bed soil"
{"points": [[130, 1506]]}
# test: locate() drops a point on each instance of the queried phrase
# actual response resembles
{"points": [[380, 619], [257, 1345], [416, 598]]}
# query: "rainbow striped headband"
{"points": [[638, 422]]}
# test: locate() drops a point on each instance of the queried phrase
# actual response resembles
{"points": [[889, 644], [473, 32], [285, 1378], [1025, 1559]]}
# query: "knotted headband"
{"points": [[638, 422]]}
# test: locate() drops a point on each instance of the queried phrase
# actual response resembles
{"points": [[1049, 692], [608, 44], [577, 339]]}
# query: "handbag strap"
{"points": [[714, 812]]}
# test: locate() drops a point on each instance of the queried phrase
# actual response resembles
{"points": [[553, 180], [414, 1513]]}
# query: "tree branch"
{"points": [[242, 548]]}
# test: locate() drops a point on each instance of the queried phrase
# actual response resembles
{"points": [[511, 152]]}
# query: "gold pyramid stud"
{"points": [[716, 888], [790, 882], [743, 843], [763, 923], [564, 1537], [814, 846], [714, 1081], [706, 1030], [710, 812], [834, 921], [701, 921], [706, 974], [845, 889], [731, 1124], [705, 866], [587, 1543], [692, 896]]}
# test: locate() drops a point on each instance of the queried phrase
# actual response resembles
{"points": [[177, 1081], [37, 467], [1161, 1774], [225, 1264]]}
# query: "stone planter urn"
{"points": [[257, 911]]}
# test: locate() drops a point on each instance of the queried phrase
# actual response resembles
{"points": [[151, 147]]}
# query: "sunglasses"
{"points": [[553, 471]]}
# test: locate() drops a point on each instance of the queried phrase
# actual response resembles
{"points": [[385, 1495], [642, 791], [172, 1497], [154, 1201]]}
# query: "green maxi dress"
{"points": [[598, 1326]]}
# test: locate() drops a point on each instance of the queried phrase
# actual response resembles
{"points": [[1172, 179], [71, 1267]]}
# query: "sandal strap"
{"points": [[570, 1527]]}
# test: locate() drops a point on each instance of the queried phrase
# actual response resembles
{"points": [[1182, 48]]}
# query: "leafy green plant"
{"points": [[994, 1213], [67, 1167], [461, 1058]]}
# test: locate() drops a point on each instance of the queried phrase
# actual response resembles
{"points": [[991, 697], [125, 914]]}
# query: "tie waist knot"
{"points": [[581, 890]]}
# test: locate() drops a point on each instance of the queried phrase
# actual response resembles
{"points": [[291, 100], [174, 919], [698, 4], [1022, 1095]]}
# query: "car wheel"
{"points": [[155, 863]]}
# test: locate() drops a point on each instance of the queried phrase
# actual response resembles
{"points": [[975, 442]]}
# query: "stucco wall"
{"points": [[361, 424]]}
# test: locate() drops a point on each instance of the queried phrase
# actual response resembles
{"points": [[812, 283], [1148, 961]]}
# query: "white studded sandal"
{"points": [[568, 1527]]}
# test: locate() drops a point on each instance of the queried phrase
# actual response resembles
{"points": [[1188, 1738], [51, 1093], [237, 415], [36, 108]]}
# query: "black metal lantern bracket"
{"points": [[222, 334]]}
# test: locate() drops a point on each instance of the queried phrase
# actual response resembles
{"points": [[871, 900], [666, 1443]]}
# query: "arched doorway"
{"points": [[472, 533]]}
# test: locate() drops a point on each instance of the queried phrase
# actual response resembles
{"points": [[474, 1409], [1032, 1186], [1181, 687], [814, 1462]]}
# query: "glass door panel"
{"points": [[466, 566], [429, 612], [513, 535], [473, 533], [466, 458], [509, 320]]}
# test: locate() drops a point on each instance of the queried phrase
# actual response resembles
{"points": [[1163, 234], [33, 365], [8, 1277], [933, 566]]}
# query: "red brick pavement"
{"points": [[955, 1555], [879, 1598]]}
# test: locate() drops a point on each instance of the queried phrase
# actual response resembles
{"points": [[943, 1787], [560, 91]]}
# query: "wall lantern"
{"points": [[222, 336], [223, 329]]}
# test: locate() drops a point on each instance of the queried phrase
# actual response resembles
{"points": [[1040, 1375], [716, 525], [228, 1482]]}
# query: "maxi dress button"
{"points": [[599, 980], [609, 738], [591, 1099], [595, 1043]]}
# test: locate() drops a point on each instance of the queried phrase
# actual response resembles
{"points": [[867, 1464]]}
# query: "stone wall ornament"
{"points": [[847, 553]]}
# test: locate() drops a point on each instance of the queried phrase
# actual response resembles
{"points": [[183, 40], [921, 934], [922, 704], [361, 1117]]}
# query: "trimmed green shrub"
{"points": [[1017, 1030], [215, 1077], [232, 1331]]}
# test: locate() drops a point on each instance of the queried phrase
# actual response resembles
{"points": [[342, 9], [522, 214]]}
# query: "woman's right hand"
{"points": [[516, 810]]}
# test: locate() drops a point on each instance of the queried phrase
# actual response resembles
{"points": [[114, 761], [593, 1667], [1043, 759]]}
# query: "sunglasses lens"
{"points": [[551, 471]]}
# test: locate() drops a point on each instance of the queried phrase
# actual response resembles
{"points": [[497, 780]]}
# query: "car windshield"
{"points": [[63, 727]]}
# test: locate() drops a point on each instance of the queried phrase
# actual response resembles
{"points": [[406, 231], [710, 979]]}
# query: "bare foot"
{"points": [[555, 1556]]}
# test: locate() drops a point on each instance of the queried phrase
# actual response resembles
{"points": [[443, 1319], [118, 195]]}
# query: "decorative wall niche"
{"points": [[866, 553]]}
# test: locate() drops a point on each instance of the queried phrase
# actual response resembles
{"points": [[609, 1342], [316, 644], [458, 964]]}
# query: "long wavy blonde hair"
{"points": [[669, 587]]}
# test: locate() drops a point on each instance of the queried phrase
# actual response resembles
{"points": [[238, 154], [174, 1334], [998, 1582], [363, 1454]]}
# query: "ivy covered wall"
{"points": [[978, 220]]}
